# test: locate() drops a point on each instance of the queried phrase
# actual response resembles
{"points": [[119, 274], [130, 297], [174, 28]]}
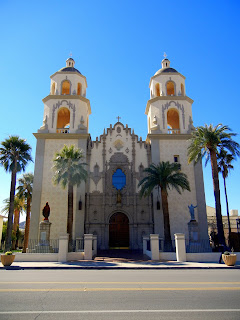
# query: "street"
{"points": [[120, 294]]}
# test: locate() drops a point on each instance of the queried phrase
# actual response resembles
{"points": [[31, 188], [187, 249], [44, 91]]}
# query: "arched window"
{"points": [[79, 89], [66, 87], [173, 121], [157, 90], [119, 179], [53, 88], [182, 89], [170, 88], [63, 120]]}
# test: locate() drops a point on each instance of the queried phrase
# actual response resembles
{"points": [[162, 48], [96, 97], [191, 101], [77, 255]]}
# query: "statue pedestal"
{"points": [[43, 245], [44, 232], [194, 244], [193, 231]]}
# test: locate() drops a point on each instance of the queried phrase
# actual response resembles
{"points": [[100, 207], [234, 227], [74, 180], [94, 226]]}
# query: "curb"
{"points": [[118, 268]]}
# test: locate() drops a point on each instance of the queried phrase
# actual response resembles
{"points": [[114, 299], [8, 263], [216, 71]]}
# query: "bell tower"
{"points": [[169, 119], [65, 122]]}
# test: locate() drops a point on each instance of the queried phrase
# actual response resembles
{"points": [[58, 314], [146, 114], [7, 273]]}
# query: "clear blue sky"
{"points": [[118, 46]]}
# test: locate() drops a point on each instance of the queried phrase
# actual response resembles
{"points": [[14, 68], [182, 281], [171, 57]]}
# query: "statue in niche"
{"points": [[119, 197], [44, 126], [46, 212], [191, 210]]}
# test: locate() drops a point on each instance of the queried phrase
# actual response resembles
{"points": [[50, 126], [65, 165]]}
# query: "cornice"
{"points": [[69, 73], [63, 136], [165, 136], [167, 98], [68, 97], [166, 74]]}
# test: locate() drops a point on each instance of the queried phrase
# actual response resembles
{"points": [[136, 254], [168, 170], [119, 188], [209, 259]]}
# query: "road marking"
{"points": [[119, 311], [119, 282], [119, 289]]}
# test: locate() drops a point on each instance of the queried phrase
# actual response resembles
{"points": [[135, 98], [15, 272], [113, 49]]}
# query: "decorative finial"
{"points": [[70, 54], [165, 55], [118, 118]]}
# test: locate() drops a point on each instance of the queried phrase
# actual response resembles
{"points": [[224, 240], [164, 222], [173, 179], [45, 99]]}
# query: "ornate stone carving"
{"points": [[58, 105], [178, 105]]}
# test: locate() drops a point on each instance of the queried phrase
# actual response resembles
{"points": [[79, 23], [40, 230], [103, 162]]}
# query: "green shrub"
{"points": [[227, 253], [8, 253]]}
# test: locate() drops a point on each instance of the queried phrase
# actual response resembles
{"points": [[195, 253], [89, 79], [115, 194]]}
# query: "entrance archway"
{"points": [[119, 231]]}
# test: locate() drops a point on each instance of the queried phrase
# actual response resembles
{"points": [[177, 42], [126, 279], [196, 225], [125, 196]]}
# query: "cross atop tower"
{"points": [[118, 118], [165, 55]]}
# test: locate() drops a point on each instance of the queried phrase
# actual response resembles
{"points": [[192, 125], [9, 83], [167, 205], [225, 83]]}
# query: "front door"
{"points": [[119, 231]]}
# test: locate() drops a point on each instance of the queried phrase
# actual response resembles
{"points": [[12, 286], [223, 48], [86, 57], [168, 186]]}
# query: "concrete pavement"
{"points": [[116, 264]]}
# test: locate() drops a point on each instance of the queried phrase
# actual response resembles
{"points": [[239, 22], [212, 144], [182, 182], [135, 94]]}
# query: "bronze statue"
{"points": [[46, 211], [191, 211]]}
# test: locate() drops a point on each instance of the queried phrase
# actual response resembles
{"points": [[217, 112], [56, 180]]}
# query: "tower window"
{"points": [[173, 121], [182, 89], [79, 89], [63, 120], [119, 179], [170, 88], [66, 87], [157, 90], [53, 88], [176, 158]]}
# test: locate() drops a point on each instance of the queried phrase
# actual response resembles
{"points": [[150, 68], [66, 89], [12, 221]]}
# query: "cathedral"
{"points": [[108, 204]]}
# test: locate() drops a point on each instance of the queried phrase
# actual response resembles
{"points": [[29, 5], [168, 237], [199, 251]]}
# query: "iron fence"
{"points": [[40, 246], [198, 246]]}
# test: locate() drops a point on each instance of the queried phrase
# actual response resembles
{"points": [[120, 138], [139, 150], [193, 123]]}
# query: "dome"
{"points": [[69, 69], [166, 70]]}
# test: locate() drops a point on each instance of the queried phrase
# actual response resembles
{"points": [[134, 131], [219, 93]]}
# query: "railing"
{"points": [[198, 246], [62, 130], [77, 245], [166, 246], [40, 246], [173, 131]]}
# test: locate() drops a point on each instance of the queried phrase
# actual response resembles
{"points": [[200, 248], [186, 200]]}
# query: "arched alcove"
{"points": [[173, 121], [182, 89], [79, 89], [66, 87], [170, 88], [63, 120], [53, 88], [157, 90]]}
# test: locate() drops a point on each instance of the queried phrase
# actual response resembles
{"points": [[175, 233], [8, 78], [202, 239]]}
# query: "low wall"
{"points": [[207, 257], [75, 256], [168, 256], [148, 253], [44, 257]]}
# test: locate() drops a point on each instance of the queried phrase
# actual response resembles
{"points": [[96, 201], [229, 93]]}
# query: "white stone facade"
{"points": [[116, 214]]}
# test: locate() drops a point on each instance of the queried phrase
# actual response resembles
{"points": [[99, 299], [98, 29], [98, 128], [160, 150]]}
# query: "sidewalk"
{"points": [[112, 265]]}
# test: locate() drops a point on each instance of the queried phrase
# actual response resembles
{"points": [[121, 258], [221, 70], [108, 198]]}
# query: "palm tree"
{"points": [[18, 208], [25, 186], [164, 176], [69, 171], [224, 165], [14, 156], [207, 141]]}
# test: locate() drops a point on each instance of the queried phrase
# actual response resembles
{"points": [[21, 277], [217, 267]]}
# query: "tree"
{"points": [[25, 186], [14, 156], [69, 171], [207, 141], [19, 206], [164, 176], [224, 165]]}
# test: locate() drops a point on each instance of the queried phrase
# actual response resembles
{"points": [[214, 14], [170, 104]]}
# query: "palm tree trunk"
{"points": [[70, 213], [167, 232], [11, 209], [27, 225], [229, 225], [216, 189], [15, 225]]}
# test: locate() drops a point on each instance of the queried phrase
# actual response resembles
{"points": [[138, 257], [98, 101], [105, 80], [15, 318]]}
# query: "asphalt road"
{"points": [[120, 294]]}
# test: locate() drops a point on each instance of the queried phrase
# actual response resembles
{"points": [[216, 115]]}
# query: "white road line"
{"points": [[119, 311]]}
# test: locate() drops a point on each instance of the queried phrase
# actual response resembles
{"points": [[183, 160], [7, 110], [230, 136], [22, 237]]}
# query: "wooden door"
{"points": [[119, 231]]}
